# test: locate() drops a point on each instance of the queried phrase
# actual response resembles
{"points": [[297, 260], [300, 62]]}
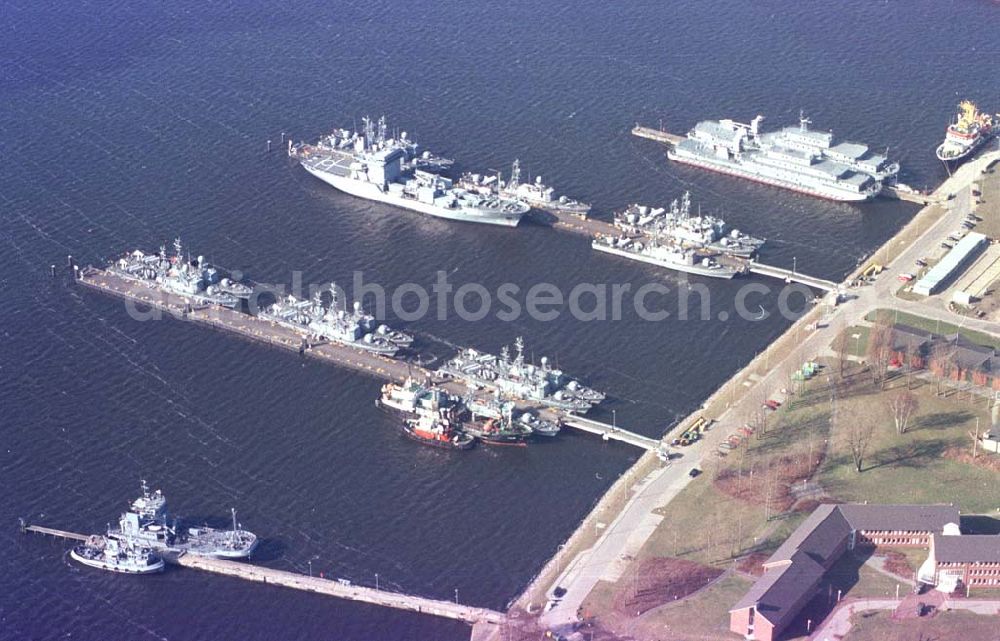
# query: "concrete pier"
{"points": [[656, 134], [612, 433], [341, 589], [792, 276], [336, 588]]}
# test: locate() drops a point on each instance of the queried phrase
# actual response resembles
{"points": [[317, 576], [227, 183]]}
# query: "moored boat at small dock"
{"points": [[116, 554]]}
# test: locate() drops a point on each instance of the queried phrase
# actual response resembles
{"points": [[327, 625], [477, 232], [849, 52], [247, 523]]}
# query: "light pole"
{"points": [[614, 420], [310, 567], [456, 596], [376, 581], [794, 264]]}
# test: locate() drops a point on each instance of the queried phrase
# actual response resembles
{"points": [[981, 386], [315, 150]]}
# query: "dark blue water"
{"points": [[125, 124]]}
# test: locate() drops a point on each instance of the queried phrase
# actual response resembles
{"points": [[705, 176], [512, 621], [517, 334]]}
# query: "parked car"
{"points": [[945, 246], [905, 277], [921, 262], [694, 472]]}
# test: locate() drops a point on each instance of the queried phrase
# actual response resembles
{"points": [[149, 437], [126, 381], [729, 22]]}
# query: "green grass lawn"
{"points": [[703, 616], [934, 326], [955, 625]]}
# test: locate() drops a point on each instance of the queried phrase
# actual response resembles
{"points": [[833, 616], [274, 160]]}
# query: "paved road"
{"points": [[838, 624]]}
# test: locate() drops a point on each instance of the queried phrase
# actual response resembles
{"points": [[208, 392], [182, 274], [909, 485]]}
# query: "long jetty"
{"points": [[336, 588], [341, 589]]}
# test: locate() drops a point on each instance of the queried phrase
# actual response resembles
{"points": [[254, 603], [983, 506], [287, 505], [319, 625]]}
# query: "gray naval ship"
{"points": [[373, 166], [795, 158], [195, 280], [678, 225], [148, 524], [539, 195], [516, 378], [670, 255], [353, 328]]}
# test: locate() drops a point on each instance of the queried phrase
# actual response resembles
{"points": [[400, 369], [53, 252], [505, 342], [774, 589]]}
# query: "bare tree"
{"points": [[903, 405], [879, 351], [842, 348], [945, 365], [856, 428]]}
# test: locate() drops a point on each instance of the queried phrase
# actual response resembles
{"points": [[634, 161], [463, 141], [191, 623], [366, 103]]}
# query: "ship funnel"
{"points": [[201, 261], [357, 306]]}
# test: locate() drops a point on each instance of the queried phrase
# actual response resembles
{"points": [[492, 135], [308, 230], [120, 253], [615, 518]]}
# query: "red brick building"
{"points": [[971, 560], [795, 570]]}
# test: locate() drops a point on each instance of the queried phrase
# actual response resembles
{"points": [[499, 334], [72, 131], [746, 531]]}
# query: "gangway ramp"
{"points": [[612, 432], [794, 276]]}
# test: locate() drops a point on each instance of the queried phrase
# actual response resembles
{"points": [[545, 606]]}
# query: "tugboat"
{"points": [[970, 131], [148, 523], [437, 432], [116, 555]]}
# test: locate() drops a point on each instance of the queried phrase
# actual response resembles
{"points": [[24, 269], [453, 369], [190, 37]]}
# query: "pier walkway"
{"points": [[48, 531], [341, 589], [792, 276], [656, 134], [612, 433]]}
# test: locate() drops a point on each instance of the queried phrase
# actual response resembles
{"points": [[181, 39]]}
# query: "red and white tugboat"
{"points": [[970, 131]]}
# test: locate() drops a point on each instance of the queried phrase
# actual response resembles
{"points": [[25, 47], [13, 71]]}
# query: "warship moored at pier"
{"points": [[668, 255], [371, 166], [195, 280], [518, 379], [679, 226], [539, 195]]}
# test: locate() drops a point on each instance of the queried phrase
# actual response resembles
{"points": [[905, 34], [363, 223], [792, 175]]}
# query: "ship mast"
{"points": [[515, 175]]}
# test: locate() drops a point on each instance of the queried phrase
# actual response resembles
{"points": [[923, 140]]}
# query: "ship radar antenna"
{"points": [[515, 174], [381, 130], [505, 354], [145, 487], [233, 509], [177, 247], [519, 346]]}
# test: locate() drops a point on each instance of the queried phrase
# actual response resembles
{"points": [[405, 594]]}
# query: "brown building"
{"points": [[793, 572], [971, 560]]}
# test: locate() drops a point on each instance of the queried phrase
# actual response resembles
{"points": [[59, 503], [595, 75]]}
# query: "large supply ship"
{"points": [[668, 255], [194, 280], [148, 524], [970, 131], [373, 167], [795, 158], [694, 231], [518, 379], [116, 554]]}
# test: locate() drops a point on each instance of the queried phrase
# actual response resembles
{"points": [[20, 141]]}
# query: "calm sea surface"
{"points": [[124, 124]]}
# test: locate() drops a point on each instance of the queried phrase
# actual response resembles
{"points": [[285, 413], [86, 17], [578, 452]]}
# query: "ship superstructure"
{"points": [[680, 226], [795, 158], [970, 131], [333, 323], [670, 255], [539, 195], [518, 379], [117, 554], [195, 280], [147, 523], [372, 167]]}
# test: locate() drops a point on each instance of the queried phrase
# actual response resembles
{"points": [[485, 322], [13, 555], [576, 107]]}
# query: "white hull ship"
{"points": [[794, 158], [669, 256], [116, 554], [372, 167]]}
